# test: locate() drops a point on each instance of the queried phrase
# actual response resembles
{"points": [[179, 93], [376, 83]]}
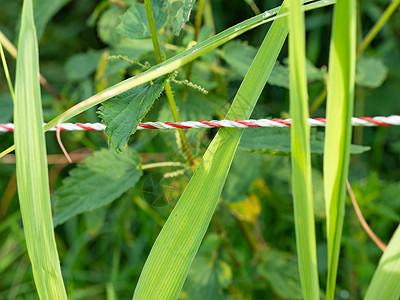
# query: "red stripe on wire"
{"points": [[177, 125], [84, 127], [284, 122], [372, 120], [323, 120], [6, 127], [246, 123], [147, 126], [211, 124], [59, 127]]}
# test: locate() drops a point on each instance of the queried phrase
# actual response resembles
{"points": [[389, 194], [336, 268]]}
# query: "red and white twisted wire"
{"points": [[317, 122]]}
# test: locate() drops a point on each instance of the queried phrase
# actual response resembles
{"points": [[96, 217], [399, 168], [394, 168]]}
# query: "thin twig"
{"points": [[364, 223]]}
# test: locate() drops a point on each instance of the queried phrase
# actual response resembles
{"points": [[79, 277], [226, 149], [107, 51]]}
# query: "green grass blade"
{"points": [[171, 256], [301, 158], [338, 130], [173, 63], [31, 164], [385, 283]]}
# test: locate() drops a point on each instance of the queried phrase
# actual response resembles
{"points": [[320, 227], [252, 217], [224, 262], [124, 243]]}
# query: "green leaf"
{"points": [[276, 141], [101, 179], [207, 279], [385, 283], [31, 165], [44, 10], [239, 55], [179, 13], [168, 263], [340, 98], [82, 65], [281, 272], [238, 181], [108, 21], [280, 74], [302, 187], [134, 24], [370, 72], [6, 106], [123, 112]]}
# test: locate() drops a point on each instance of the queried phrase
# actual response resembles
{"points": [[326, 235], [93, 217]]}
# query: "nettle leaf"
{"points": [[44, 10], [122, 113], [107, 23], [134, 23], [280, 74], [282, 273], [98, 181], [370, 72], [80, 66], [276, 141], [239, 55], [179, 13]]}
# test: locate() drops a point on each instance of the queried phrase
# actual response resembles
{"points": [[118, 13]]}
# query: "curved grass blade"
{"points": [[342, 63], [301, 157], [172, 254], [32, 174], [385, 283], [173, 63]]}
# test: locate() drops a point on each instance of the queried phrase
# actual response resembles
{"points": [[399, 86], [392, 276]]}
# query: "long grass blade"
{"points": [[338, 131], [301, 159], [31, 164], [171, 256], [385, 283]]}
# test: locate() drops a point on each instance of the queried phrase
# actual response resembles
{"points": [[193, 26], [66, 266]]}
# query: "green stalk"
{"points": [[31, 165], [173, 63], [301, 157], [6, 73], [172, 254], [168, 89], [378, 26], [342, 63]]}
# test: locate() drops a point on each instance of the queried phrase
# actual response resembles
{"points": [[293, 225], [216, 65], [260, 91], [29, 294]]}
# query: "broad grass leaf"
{"points": [[281, 272], [370, 72], [101, 179], [82, 65], [122, 113], [172, 254], [31, 165], [385, 282], [134, 24], [276, 141]]}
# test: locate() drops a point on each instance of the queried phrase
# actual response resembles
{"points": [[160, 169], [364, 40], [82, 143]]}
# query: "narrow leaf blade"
{"points": [[172, 254], [300, 159], [31, 165], [338, 130]]}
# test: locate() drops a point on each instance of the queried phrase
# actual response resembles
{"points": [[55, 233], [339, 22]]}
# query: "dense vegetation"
{"points": [[110, 204]]}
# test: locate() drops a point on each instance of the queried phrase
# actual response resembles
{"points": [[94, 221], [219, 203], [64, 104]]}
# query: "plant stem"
{"points": [[168, 89], [378, 26], [199, 16]]}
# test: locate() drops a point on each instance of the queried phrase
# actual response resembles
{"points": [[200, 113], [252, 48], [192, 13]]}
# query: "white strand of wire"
{"points": [[393, 120]]}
